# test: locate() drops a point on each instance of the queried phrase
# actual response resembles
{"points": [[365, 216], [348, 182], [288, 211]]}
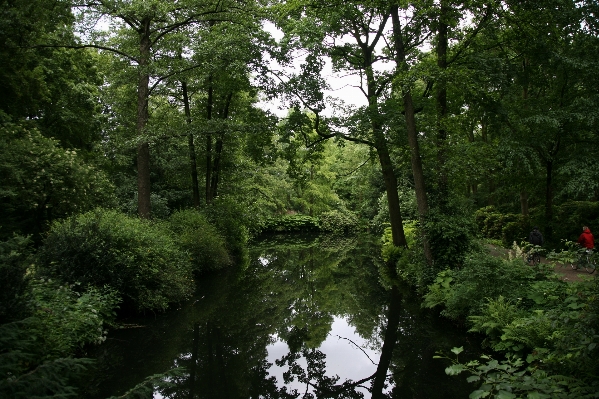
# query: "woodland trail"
{"points": [[567, 273]]}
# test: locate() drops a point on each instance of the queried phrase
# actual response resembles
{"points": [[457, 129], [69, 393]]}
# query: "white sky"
{"points": [[343, 86]]}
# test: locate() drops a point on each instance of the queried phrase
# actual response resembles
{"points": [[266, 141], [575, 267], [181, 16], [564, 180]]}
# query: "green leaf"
{"points": [[473, 378], [457, 351], [537, 395], [455, 369], [478, 394], [505, 395]]}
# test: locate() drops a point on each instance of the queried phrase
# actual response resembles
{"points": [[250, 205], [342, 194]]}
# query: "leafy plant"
{"points": [[200, 239], [15, 256], [481, 277], [450, 233], [291, 223], [36, 352], [338, 222], [231, 221], [137, 258], [42, 182], [510, 379]]}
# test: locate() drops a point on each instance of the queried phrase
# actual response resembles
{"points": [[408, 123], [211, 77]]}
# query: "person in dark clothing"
{"points": [[586, 239], [535, 237]]}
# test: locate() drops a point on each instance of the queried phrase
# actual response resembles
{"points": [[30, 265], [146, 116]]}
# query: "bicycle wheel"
{"points": [[536, 259], [590, 265]]}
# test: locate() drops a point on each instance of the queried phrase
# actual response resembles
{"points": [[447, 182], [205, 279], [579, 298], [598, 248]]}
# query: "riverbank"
{"points": [[565, 271]]}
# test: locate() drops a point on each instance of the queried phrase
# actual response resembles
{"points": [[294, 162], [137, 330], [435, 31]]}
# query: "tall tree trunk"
{"points": [[195, 186], [209, 106], [380, 142], [216, 166], [549, 198], [143, 149], [421, 198], [524, 202], [218, 150], [441, 100]]}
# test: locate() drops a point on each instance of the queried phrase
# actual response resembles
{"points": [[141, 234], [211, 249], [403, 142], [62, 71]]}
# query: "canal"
{"points": [[302, 317]]}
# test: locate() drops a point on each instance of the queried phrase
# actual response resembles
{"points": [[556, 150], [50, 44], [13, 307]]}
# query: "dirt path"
{"points": [[565, 271]]}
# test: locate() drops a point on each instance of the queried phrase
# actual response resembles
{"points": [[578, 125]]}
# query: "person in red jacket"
{"points": [[586, 239]]}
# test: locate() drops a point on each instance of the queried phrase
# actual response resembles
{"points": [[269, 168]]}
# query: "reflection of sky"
{"points": [[343, 358]]}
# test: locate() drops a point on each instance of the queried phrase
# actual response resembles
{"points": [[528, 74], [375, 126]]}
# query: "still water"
{"points": [[304, 317]]}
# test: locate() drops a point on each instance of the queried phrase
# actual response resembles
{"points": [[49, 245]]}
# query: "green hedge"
{"points": [[137, 258]]}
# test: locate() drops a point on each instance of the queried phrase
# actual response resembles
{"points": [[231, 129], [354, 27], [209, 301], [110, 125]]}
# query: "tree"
{"points": [[365, 25], [140, 33]]}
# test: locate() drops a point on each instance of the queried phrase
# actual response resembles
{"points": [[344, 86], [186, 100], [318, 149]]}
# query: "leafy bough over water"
{"points": [[509, 379]]}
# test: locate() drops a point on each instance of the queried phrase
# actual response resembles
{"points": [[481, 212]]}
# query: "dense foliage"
{"points": [[137, 258], [544, 326], [467, 118], [205, 246]]}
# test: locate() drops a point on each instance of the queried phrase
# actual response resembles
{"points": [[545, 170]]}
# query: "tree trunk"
{"points": [[380, 142], [209, 106], [524, 202], [143, 148], [195, 186], [441, 101], [549, 198], [421, 198], [218, 151]]}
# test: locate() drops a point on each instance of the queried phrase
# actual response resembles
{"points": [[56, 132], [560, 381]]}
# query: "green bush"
{"points": [[15, 256], [207, 248], [466, 291], [137, 258], [231, 221], [67, 320], [572, 215], [516, 231], [338, 222], [450, 234], [36, 353], [42, 182]]}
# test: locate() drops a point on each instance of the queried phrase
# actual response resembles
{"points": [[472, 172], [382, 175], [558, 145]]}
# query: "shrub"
{"points": [[135, 257], [231, 221], [338, 222], [15, 256], [36, 353], [42, 182], [207, 248], [466, 291], [66, 320], [515, 232], [450, 233], [572, 215]]}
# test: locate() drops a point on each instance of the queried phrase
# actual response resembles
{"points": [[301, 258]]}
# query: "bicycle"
{"points": [[533, 258], [586, 259], [533, 255]]}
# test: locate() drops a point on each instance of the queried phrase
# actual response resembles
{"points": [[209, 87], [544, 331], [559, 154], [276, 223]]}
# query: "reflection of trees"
{"points": [[294, 290]]}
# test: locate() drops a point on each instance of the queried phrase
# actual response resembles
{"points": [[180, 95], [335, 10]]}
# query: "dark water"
{"points": [[303, 317]]}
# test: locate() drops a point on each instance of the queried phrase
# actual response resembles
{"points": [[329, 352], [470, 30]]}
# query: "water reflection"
{"points": [[306, 318]]}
